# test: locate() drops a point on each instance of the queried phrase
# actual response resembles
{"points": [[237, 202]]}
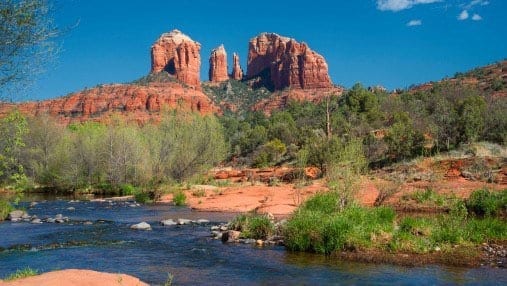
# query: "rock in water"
{"points": [[168, 222], [177, 54], [16, 215], [218, 65], [182, 221], [286, 63], [141, 226], [230, 236]]}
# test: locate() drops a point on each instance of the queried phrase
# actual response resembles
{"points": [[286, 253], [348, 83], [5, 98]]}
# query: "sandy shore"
{"points": [[76, 277]]}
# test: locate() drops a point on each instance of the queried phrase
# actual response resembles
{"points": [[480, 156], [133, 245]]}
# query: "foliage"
{"points": [[253, 225], [179, 198], [26, 41], [13, 127], [5, 209], [485, 203], [22, 273]]}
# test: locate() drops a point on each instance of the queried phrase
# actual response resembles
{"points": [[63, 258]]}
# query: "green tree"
{"points": [[13, 128], [26, 34], [402, 139], [472, 113]]}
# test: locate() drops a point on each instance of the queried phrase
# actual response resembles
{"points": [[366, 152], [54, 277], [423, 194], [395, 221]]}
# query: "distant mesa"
{"points": [[282, 62], [179, 55]]}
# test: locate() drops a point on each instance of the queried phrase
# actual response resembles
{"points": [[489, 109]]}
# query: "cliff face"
{"points": [[284, 62], [237, 72], [179, 55], [138, 103], [218, 65]]}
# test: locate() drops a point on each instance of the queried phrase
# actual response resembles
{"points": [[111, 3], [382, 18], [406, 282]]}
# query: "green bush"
{"points": [[253, 226], [5, 209], [179, 198], [26, 272], [485, 203], [325, 202], [128, 190], [142, 197]]}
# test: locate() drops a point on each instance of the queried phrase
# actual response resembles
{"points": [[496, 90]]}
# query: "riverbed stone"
{"points": [[168, 222], [141, 226], [59, 216], [16, 215], [202, 221], [36, 221], [51, 220], [215, 228], [230, 236], [182, 221], [71, 208]]}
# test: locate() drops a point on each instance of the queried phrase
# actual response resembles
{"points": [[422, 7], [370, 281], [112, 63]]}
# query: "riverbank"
{"points": [[76, 277]]}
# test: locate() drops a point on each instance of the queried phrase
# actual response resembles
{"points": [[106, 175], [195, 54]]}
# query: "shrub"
{"points": [[485, 203], [253, 226], [142, 197], [179, 198], [26, 272], [128, 190], [199, 193], [5, 209]]}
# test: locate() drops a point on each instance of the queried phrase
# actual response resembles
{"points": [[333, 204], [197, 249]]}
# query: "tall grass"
{"points": [[5, 209], [253, 226], [22, 273]]}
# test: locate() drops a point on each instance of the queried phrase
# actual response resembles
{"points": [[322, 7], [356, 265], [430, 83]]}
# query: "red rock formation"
{"points": [[139, 103], [218, 65], [177, 54], [237, 72], [288, 62]]}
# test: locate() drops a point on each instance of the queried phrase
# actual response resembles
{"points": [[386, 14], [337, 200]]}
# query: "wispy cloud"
{"points": [[413, 23], [463, 15], [476, 17], [475, 3], [398, 5]]}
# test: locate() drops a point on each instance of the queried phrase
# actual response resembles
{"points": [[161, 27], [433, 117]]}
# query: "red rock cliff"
{"points": [[218, 65], [139, 103], [237, 72], [177, 54], [286, 62]]}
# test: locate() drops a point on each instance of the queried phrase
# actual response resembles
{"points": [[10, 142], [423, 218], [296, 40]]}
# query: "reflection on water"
{"points": [[188, 252]]}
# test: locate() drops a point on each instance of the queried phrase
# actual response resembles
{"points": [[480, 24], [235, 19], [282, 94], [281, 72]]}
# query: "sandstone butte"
{"points": [[218, 65], [286, 63], [179, 55], [237, 72], [76, 277], [296, 72]]}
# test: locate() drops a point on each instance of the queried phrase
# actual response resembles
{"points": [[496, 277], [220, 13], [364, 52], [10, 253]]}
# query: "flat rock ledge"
{"points": [[76, 277]]}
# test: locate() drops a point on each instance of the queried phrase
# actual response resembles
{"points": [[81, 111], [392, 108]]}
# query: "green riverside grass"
{"points": [[22, 273], [5, 209], [253, 225], [318, 226], [179, 198]]}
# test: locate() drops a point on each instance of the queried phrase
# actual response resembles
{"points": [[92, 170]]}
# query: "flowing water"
{"points": [[188, 252]]}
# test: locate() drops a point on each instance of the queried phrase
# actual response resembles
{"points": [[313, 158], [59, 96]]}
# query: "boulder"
{"points": [[16, 215], [168, 222], [36, 221], [182, 221], [141, 226], [230, 236]]}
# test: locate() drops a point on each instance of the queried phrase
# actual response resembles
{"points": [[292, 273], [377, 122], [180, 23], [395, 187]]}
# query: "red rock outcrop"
{"points": [[177, 54], [138, 103], [237, 72], [218, 65], [286, 63]]}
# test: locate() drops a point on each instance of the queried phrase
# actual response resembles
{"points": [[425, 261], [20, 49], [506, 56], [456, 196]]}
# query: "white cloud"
{"points": [[398, 5], [476, 17], [414, 23], [476, 3], [463, 15]]}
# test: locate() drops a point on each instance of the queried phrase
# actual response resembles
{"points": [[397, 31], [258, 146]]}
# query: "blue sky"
{"points": [[394, 43]]}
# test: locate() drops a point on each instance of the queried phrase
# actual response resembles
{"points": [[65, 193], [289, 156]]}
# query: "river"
{"points": [[188, 252]]}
